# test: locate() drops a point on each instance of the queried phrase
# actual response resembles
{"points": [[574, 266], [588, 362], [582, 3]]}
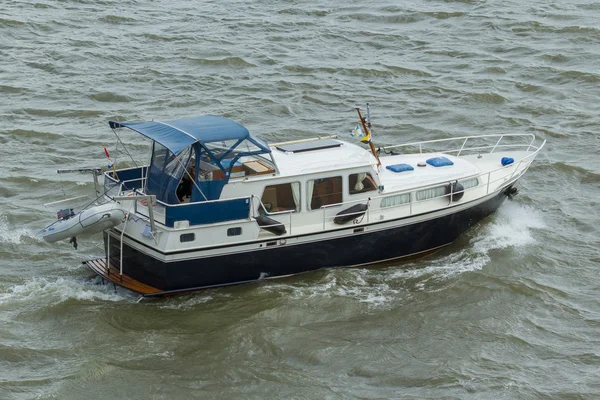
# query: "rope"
{"points": [[89, 204], [124, 148]]}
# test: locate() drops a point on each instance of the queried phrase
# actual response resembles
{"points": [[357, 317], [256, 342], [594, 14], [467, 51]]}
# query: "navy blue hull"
{"points": [[277, 260]]}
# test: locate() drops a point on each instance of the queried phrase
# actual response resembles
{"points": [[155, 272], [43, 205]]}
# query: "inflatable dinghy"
{"points": [[92, 220]]}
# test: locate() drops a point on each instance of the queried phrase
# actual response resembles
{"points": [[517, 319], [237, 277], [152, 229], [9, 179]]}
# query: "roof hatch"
{"points": [[309, 146]]}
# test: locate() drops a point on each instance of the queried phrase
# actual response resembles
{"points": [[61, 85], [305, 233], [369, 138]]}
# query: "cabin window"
{"points": [[469, 183], [282, 197], [187, 237], [392, 201], [234, 231], [360, 183], [431, 193], [323, 192]]}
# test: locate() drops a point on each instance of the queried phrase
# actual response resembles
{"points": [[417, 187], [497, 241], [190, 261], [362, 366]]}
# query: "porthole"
{"points": [[187, 237], [234, 231]]}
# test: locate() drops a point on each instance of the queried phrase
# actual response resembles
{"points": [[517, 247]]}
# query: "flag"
{"points": [[357, 132], [110, 162], [367, 138]]}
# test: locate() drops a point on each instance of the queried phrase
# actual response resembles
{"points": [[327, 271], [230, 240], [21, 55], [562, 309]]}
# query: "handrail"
{"points": [[289, 212], [466, 138]]}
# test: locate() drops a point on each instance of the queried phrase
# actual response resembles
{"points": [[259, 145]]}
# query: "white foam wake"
{"points": [[58, 291], [13, 235], [513, 226]]}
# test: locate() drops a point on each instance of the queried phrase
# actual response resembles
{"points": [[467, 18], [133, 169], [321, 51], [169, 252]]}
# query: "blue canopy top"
{"points": [[177, 135]]}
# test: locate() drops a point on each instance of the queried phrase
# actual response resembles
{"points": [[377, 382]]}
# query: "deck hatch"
{"points": [[309, 146]]}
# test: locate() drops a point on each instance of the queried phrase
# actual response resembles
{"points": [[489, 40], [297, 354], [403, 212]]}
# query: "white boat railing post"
{"points": [[96, 183], [121, 252], [488, 183], [122, 234], [151, 200], [530, 143], [108, 253], [497, 143], [516, 169], [462, 147]]}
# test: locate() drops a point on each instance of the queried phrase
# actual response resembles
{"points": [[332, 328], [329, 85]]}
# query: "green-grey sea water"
{"points": [[509, 311]]}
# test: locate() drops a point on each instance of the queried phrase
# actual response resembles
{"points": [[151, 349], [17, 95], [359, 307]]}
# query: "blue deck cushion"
{"points": [[439, 162], [507, 161], [400, 167]]}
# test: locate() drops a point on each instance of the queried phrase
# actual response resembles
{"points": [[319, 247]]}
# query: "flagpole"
{"points": [[368, 132]]}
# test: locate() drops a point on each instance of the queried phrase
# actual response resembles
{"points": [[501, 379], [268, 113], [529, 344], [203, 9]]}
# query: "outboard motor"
{"points": [[65, 213]]}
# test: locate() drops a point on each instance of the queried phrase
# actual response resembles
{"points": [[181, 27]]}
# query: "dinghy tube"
{"points": [[92, 220]]}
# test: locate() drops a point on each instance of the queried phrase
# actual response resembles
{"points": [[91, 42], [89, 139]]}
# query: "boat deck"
{"points": [[113, 275]]}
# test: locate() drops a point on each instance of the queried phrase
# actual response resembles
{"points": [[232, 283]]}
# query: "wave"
{"points": [[31, 134], [11, 234], [365, 286], [47, 67], [493, 98], [226, 62], [47, 292], [12, 89], [584, 175], [61, 113], [116, 19], [109, 97], [400, 19], [582, 76], [10, 23]]}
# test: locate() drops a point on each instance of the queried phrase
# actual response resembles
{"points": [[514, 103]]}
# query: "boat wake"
{"points": [[13, 235], [53, 292], [513, 227]]}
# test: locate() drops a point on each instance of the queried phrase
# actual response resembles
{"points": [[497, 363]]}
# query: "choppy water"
{"points": [[511, 310]]}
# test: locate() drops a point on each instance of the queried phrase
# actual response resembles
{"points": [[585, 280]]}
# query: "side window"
{"points": [[396, 200], [469, 183], [187, 237], [427, 194], [323, 192], [360, 183], [282, 197], [234, 231]]}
